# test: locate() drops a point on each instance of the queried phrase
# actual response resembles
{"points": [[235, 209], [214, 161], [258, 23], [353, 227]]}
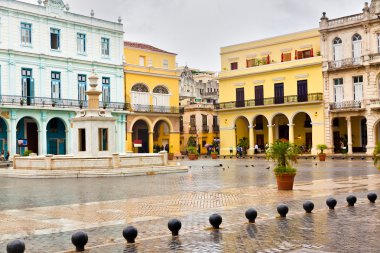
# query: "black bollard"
{"points": [[308, 206], [79, 239], [251, 215], [331, 203], [351, 200], [372, 197], [130, 234], [174, 226], [215, 220], [16, 246], [283, 210]]}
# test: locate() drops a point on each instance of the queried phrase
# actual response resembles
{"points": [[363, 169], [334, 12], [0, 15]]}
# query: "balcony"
{"points": [[157, 109], [215, 128], [346, 105], [205, 129], [193, 130], [374, 104], [294, 99], [210, 94], [345, 20], [345, 63], [45, 102]]}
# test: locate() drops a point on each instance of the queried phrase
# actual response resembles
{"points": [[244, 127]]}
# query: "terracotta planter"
{"points": [[214, 156], [285, 182], [171, 156], [322, 157], [192, 156]]}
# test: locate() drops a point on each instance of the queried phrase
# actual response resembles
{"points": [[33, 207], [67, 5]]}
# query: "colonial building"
{"points": [[46, 56], [151, 88], [199, 92], [272, 89], [350, 49]]}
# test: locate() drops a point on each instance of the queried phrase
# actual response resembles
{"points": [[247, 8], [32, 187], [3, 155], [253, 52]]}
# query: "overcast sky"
{"points": [[196, 29]]}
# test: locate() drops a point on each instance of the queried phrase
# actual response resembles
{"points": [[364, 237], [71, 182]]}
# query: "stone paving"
{"points": [[47, 225]]}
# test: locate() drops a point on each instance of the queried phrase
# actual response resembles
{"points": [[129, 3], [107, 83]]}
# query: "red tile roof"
{"points": [[145, 47]]}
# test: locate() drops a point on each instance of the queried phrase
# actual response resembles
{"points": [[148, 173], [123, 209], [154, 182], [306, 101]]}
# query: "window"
{"points": [[142, 61], [304, 54], [358, 88], [82, 139], [338, 90], [105, 47], [265, 60], [103, 139], [106, 90], [234, 65], [81, 43], [26, 34], [286, 57], [204, 120], [55, 38], [251, 63], [192, 121], [82, 87], [356, 47], [55, 84], [338, 81], [165, 64]]}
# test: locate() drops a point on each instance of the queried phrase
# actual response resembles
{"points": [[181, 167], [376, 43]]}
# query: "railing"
{"points": [[346, 63], [345, 20], [157, 109], [205, 129], [215, 128], [345, 105], [57, 102], [312, 97], [210, 94], [193, 130]]}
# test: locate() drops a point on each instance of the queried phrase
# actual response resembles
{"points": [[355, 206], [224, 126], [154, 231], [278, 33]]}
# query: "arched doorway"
{"points": [[3, 136], [161, 136], [281, 127], [242, 132], [27, 135], [140, 137], [303, 130], [260, 124], [56, 137]]}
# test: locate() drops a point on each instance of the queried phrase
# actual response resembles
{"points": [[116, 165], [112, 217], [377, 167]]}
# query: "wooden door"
{"points": [[259, 95], [240, 101], [302, 91], [279, 93], [32, 137]]}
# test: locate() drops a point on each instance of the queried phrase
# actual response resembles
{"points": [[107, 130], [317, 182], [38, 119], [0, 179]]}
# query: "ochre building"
{"points": [[151, 90], [272, 89]]}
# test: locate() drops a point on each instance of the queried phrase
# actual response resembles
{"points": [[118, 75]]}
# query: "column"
{"points": [[123, 134], [291, 133], [68, 138], [150, 142], [349, 135], [174, 146], [251, 150], [42, 149], [12, 137], [270, 134]]}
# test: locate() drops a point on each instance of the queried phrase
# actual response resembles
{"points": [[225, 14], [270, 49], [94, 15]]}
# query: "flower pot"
{"points": [[214, 156], [192, 156], [285, 182], [171, 156], [322, 157]]}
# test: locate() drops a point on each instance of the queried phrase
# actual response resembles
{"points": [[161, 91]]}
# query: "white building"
{"points": [[46, 56]]}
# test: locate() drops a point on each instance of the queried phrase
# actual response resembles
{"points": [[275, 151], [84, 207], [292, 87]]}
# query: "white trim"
{"points": [[239, 84], [306, 46], [233, 59], [265, 53], [301, 76], [278, 79], [258, 81], [289, 49], [251, 56]]}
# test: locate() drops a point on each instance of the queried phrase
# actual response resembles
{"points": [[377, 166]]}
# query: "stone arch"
{"points": [[166, 120], [31, 117], [356, 37], [295, 114], [240, 116], [56, 136], [161, 89], [271, 118], [143, 118], [337, 41], [257, 115], [61, 119], [140, 87]]}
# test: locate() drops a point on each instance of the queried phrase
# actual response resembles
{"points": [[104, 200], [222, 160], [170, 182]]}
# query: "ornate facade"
{"points": [[350, 48]]}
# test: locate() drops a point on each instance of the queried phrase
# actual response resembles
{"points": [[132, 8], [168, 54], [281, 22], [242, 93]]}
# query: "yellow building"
{"points": [[151, 89], [272, 89]]}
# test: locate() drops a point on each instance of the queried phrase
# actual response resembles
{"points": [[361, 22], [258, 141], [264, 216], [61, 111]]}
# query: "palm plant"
{"points": [[284, 154]]}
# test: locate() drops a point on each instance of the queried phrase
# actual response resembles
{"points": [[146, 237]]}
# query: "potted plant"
{"points": [[105, 105], [284, 154], [192, 153], [81, 104], [322, 156], [214, 155], [22, 101]]}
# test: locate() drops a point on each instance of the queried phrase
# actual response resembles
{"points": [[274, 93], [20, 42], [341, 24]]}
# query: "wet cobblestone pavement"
{"points": [[148, 203]]}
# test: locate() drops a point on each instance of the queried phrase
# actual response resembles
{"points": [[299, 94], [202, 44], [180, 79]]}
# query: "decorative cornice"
{"points": [[239, 84], [300, 76], [265, 53], [283, 50], [277, 79], [233, 59], [258, 81], [306, 46], [251, 56], [150, 74]]}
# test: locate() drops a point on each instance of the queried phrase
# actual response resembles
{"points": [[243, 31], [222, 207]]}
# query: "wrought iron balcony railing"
{"points": [[312, 97], [157, 109], [345, 63], [57, 102], [345, 105], [193, 130]]}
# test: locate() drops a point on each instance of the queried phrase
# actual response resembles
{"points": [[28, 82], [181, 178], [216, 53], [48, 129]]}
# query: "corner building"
{"points": [[47, 54], [350, 48], [272, 89], [151, 89]]}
